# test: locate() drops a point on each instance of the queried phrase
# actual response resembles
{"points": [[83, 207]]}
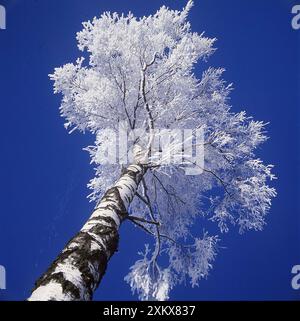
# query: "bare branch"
{"points": [[158, 243], [136, 218]]}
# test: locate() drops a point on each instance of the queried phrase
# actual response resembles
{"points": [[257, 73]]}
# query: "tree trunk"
{"points": [[78, 270]]}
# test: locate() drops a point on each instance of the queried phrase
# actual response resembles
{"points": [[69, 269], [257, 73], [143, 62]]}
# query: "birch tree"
{"points": [[136, 75]]}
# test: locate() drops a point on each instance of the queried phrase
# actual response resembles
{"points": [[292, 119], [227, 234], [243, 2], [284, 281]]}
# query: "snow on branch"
{"points": [[138, 80], [194, 261]]}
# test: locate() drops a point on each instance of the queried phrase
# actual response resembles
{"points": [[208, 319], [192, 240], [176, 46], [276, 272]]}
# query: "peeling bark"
{"points": [[79, 268]]}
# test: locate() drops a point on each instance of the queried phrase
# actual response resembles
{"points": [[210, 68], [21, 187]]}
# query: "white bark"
{"points": [[78, 270]]}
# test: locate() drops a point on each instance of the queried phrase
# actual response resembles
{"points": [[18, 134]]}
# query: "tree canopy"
{"points": [[138, 73]]}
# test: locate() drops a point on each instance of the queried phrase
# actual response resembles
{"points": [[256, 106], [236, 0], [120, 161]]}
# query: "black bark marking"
{"points": [[78, 251], [67, 286], [81, 256]]}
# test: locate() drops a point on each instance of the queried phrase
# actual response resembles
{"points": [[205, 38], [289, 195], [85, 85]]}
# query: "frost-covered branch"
{"points": [[140, 78]]}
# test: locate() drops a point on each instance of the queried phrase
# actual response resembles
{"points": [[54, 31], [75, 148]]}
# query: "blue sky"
{"points": [[44, 171]]}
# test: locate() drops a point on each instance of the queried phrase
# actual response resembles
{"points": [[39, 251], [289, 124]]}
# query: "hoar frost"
{"points": [[141, 71]]}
